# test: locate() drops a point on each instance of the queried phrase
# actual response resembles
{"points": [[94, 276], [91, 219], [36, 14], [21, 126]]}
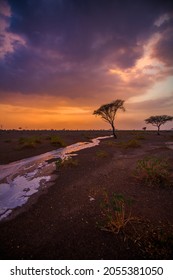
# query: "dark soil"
{"points": [[68, 220]]}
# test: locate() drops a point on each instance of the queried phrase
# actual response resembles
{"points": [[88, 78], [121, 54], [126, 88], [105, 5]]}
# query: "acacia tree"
{"points": [[108, 111], [158, 121]]}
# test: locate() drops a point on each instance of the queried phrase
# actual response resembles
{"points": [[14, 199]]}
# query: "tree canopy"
{"points": [[158, 121], [108, 112]]}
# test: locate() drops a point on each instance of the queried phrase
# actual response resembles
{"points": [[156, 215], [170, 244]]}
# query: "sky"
{"points": [[62, 59]]}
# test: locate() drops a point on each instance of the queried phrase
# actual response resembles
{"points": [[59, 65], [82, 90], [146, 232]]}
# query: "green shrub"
{"points": [[153, 171], [58, 163], [57, 140], [133, 143], [116, 211], [66, 162], [29, 142]]}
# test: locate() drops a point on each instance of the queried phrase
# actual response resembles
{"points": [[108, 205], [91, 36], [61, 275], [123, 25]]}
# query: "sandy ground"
{"points": [[70, 220]]}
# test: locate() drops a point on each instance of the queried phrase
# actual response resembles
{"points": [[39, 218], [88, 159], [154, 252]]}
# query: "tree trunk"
{"points": [[158, 131], [113, 130]]}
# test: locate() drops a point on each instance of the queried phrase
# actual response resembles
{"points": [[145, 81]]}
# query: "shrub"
{"points": [[116, 211], [29, 142], [69, 161], [133, 143], [57, 140], [153, 171], [101, 154], [58, 163], [32, 139]]}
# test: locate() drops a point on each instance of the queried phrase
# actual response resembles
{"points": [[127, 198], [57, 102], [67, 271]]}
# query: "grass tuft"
{"points": [[29, 142], [68, 162], [153, 172], [116, 212], [57, 140], [133, 143]]}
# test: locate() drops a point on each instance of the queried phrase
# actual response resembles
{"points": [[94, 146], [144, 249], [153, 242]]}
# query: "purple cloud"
{"points": [[69, 45]]}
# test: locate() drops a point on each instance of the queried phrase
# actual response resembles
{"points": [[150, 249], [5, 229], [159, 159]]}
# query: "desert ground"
{"points": [[111, 201]]}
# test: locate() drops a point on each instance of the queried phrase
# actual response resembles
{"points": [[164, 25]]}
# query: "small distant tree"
{"points": [[158, 121], [108, 111], [144, 128]]}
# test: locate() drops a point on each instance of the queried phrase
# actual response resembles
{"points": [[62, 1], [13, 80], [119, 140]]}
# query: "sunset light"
{"points": [[86, 139], [55, 69]]}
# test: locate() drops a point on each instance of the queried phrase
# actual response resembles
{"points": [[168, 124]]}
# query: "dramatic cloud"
{"points": [[163, 50], [82, 53], [9, 40]]}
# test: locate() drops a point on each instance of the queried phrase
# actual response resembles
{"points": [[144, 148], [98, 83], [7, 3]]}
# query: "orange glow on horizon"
{"points": [[48, 111], [13, 117]]}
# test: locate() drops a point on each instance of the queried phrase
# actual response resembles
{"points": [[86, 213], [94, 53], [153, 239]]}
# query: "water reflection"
{"points": [[20, 179]]}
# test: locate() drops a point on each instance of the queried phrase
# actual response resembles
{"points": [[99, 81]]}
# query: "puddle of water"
{"points": [[20, 179], [19, 192]]}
